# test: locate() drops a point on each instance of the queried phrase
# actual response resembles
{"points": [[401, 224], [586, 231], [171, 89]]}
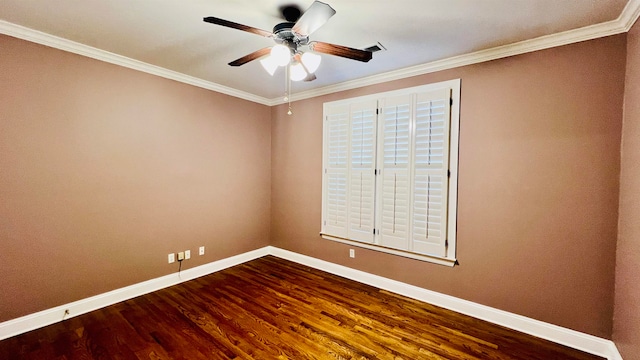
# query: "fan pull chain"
{"points": [[287, 96], [286, 84]]}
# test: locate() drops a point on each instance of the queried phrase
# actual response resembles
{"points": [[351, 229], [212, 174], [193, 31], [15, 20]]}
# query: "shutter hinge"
{"points": [[374, 231], [375, 171], [448, 173], [450, 101], [325, 171], [446, 243], [325, 222], [377, 111]]}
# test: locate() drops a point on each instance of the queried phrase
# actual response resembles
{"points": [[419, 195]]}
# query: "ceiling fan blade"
{"points": [[231, 24], [250, 57], [316, 15], [343, 51]]}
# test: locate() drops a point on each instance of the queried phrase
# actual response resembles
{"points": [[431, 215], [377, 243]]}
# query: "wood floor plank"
{"points": [[271, 308]]}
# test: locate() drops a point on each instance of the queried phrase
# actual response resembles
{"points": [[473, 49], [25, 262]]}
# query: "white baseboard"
{"points": [[577, 340], [47, 317], [571, 338]]}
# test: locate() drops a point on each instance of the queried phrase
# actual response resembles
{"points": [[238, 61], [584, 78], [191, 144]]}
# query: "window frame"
{"points": [[449, 259]]}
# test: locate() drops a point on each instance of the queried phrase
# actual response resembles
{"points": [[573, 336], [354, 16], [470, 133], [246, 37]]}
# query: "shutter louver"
{"points": [[336, 169], [362, 177], [430, 180], [395, 187]]}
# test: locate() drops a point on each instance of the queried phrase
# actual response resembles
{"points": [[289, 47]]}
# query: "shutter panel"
{"points": [[362, 159], [395, 147], [335, 207], [430, 179]]}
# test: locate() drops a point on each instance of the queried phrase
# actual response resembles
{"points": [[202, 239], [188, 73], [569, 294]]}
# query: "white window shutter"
{"points": [[335, 184], [390, 171], [394, 189], [430, 175], [362, 161]]}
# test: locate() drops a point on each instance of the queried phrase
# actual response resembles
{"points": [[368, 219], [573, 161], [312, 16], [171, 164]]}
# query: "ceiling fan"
{"points": [[290, 36]]}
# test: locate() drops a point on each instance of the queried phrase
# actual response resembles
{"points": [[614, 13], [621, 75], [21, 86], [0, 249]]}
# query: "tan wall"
{"points": [[106, 170], [626, 328], [538, 185]]}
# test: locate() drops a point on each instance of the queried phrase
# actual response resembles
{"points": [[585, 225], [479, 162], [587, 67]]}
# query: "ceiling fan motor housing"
{"points": [[284, 35]]}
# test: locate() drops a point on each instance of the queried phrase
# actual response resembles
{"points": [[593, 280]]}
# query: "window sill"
{"points": [[432, 259]]}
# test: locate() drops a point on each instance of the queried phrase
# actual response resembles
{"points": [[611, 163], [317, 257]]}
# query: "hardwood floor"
{"points": [[274, 309]]}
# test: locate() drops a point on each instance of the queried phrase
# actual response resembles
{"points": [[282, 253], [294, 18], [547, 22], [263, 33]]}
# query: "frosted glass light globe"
{"points": [[281, 55], [297, 72], [311, 61], [269, 64]]}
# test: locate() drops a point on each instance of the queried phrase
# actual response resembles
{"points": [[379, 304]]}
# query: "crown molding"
{"points": [[55, 42], [622, 24], [630, 14]]}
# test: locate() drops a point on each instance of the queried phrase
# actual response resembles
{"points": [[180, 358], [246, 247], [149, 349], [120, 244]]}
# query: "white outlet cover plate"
{"points": [[172, 258], [201, 250], [187, 254]]}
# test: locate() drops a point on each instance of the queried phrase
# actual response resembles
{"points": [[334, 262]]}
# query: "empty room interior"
{"points": [[158, 203]]}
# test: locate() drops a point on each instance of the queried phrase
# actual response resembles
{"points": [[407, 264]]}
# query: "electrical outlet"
{"points": [[172, 258], [187, 254], [201, 250], [352, 253], [181, 256]]}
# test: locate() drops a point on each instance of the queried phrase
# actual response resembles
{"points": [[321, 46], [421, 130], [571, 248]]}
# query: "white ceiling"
{"points": [[171, 34]]}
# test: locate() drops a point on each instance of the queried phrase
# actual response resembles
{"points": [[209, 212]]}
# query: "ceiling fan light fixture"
{"points": [[269, 64], [281, 55], [298, 72], [311, 61]]}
